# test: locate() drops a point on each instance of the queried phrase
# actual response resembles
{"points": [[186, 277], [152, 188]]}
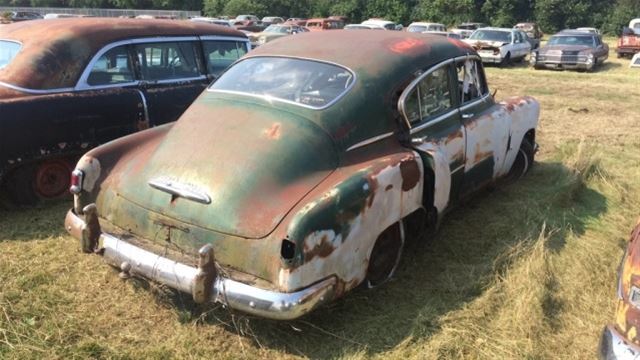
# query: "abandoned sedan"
{"points": [[67, 85], [500, 45], [571, 49], [620, 340], [301, 171]]}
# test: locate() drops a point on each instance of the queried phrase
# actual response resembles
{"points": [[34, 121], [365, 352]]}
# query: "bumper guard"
{"points": [[613, 346], [203, 282]]}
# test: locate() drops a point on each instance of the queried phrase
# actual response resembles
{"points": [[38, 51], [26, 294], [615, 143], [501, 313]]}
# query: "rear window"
{"points": [[8, 50], [304, 82]]}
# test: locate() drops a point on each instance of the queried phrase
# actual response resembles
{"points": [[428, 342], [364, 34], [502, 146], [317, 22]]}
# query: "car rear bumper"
{"points": [[203, 282], [627, 50], [613, 346]]}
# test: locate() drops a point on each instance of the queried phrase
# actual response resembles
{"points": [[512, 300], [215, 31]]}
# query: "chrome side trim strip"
{"points": [[369, 141], [35, 91], [181, 190], [146, 108]]}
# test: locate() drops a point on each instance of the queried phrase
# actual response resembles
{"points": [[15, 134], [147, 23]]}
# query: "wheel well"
{"points": [[429, 188], [531, 136]]}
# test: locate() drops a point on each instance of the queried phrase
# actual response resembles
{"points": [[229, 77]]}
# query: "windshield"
{"points": [[277, 29], [8, 50], [492, 35], [303, 82], [571, 40]]}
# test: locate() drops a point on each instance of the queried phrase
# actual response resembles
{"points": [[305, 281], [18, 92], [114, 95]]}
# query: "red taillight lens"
{"points": [[76, 181]]}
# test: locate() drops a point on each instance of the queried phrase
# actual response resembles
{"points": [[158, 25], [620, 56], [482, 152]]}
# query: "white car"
{"points": [[386, 24], [426, 26], [448, 34], [210, 20], [589, 30], [363, 27], [500, 45]]}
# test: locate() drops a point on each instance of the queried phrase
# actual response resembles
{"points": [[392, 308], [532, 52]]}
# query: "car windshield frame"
{"points": [[495, 32], [554, 40], [12, 49], [269, 97]]}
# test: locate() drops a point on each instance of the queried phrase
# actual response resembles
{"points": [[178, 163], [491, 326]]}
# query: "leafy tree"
{"points": [[237, 7], [622, 12], [506, 13], [393, 10], [444, 11]]}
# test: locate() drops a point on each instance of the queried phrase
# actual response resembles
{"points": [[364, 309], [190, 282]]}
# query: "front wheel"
{"points": [[506, 61]]}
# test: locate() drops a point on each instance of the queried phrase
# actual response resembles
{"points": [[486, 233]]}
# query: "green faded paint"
{"points": [[254, 162], [384, 62]]}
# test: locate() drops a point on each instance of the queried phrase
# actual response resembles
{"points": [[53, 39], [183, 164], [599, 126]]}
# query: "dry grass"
{"points": [[525, 271]]}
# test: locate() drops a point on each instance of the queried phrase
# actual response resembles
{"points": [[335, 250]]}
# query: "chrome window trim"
{"points": [[145, 107], [270, 99], [369, 141], [434, 121], [35, 91], [414, 83], [82, 83], [475, 102]]}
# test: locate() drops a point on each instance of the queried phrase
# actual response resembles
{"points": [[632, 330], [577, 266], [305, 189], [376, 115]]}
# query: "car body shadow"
{"points": [[34, 223]]}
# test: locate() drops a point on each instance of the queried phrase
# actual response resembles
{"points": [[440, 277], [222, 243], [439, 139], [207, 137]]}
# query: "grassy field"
{"points": [[523, 271]]}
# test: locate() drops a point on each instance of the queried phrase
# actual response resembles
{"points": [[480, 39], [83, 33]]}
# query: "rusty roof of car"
{"points": [[384, 62], [54, 52]]}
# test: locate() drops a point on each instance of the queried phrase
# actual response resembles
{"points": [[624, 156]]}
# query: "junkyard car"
{"points": [[324, 24], [499, 45], [67, 85], [629, 42], [426, 26], [273, 32], [571, 49], [299, 173], [466, 29], [621, 340], [534, 34]]}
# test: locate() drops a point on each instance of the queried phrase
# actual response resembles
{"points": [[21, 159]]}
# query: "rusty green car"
{"points": [[300, 172]]}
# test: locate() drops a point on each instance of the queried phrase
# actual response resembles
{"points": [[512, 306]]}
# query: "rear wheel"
{"points": [[385, 256], [31, 183], [523, 162], [52, 178]]}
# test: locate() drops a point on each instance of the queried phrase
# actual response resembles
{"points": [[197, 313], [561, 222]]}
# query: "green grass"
{"points": [[524, 271]]}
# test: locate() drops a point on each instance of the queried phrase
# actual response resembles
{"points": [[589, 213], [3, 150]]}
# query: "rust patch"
{"points": [[273, 132], [373, 187], [410, 172], [405, 45], [323, 249], [389, 187]]}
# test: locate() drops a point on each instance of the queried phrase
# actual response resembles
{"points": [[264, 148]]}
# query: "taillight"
{"points": [[76, 181]]}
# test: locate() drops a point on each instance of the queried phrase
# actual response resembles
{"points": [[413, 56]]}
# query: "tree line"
{"points": [[551, 15]]}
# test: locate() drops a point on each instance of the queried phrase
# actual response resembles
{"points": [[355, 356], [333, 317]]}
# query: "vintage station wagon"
{"points": [[67, 85], [301, 171]]}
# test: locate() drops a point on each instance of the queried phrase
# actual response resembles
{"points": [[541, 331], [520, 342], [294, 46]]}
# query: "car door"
{"points": [[428, 105], [219, 53], [171, 76], [486, 125]]}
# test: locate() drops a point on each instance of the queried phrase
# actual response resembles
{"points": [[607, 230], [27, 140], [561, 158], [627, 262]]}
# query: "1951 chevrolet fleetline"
{"points": [[299, 173]]}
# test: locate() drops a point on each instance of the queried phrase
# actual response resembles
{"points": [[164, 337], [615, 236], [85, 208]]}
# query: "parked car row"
{"points": [[68, 85]]}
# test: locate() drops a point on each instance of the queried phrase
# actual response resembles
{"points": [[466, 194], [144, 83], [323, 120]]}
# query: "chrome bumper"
{"points": [[202, 282], [613, 346]]}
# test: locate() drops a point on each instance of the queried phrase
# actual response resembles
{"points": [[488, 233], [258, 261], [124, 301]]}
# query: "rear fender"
{"points": [[335, 227], [523, 113]]}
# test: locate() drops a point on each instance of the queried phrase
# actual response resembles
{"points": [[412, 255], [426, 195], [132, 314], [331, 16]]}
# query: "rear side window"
{"points": [[221, 53], [167, 60], [114, 67], [430, 97], [8, 50], [471, 81]]}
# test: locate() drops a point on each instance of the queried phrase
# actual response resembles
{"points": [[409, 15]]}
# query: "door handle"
{"points": [[467, 116]]}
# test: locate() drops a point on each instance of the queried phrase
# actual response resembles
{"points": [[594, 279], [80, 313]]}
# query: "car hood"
{"points": [[253, 162], [557, 48], [479, 44]]}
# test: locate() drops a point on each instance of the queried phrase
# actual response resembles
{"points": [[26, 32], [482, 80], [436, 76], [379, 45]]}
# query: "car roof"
{"points": [[55, 52], [421, 23], [384, 62], [573, 33], [498, 29]]}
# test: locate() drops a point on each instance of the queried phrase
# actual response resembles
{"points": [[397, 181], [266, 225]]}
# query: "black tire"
{"points": [[506, 61], [523, 162], [385, 255]]}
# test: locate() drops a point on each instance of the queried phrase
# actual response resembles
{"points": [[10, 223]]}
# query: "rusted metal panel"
{"points": [[627, 319]]}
